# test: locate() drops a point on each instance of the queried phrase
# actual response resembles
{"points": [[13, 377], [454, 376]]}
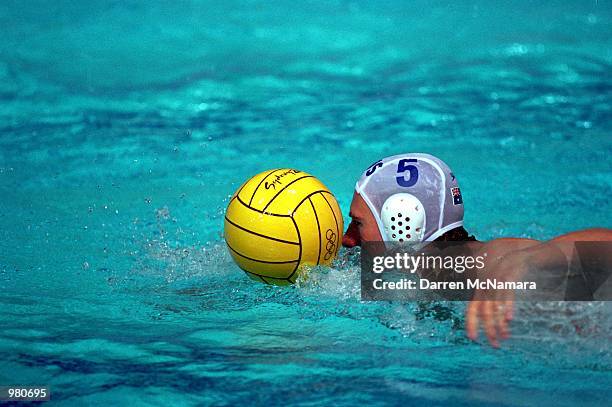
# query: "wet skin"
{"points": [[363, 227]]}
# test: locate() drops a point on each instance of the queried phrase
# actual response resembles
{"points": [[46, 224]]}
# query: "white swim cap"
{"points": [[415, 194]]}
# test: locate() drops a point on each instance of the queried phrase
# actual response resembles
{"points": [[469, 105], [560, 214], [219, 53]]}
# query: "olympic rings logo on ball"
{"points": [[330, 246]]}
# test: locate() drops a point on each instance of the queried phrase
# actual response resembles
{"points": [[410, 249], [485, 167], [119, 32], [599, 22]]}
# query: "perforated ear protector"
{"points": [[403, 218]]}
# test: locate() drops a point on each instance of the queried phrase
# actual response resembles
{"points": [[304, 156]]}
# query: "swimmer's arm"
{"points": [[557, 252], [515, 257], [518, 253], [587, 235], [565, 242]]}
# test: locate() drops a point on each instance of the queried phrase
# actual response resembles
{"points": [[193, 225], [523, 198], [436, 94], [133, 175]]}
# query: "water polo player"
{"points": [[415, 198]]}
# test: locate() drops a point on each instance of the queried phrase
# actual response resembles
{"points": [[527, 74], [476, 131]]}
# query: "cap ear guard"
{"points": [[403, 218]]}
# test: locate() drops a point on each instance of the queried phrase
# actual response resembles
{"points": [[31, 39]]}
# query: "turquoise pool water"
{"points": [[125, 127]]}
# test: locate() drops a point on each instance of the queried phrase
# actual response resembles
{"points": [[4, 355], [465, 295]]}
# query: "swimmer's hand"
{"points": [[494, 309], [495, 316]]}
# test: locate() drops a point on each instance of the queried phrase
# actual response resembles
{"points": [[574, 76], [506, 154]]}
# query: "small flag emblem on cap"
{"points": [[457, 200]]}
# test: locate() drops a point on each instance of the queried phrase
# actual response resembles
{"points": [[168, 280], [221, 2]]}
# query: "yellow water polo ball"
{"points": [[280, 220]]}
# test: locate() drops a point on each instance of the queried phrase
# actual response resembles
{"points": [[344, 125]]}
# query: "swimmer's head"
{"points": [[411, 197]]}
